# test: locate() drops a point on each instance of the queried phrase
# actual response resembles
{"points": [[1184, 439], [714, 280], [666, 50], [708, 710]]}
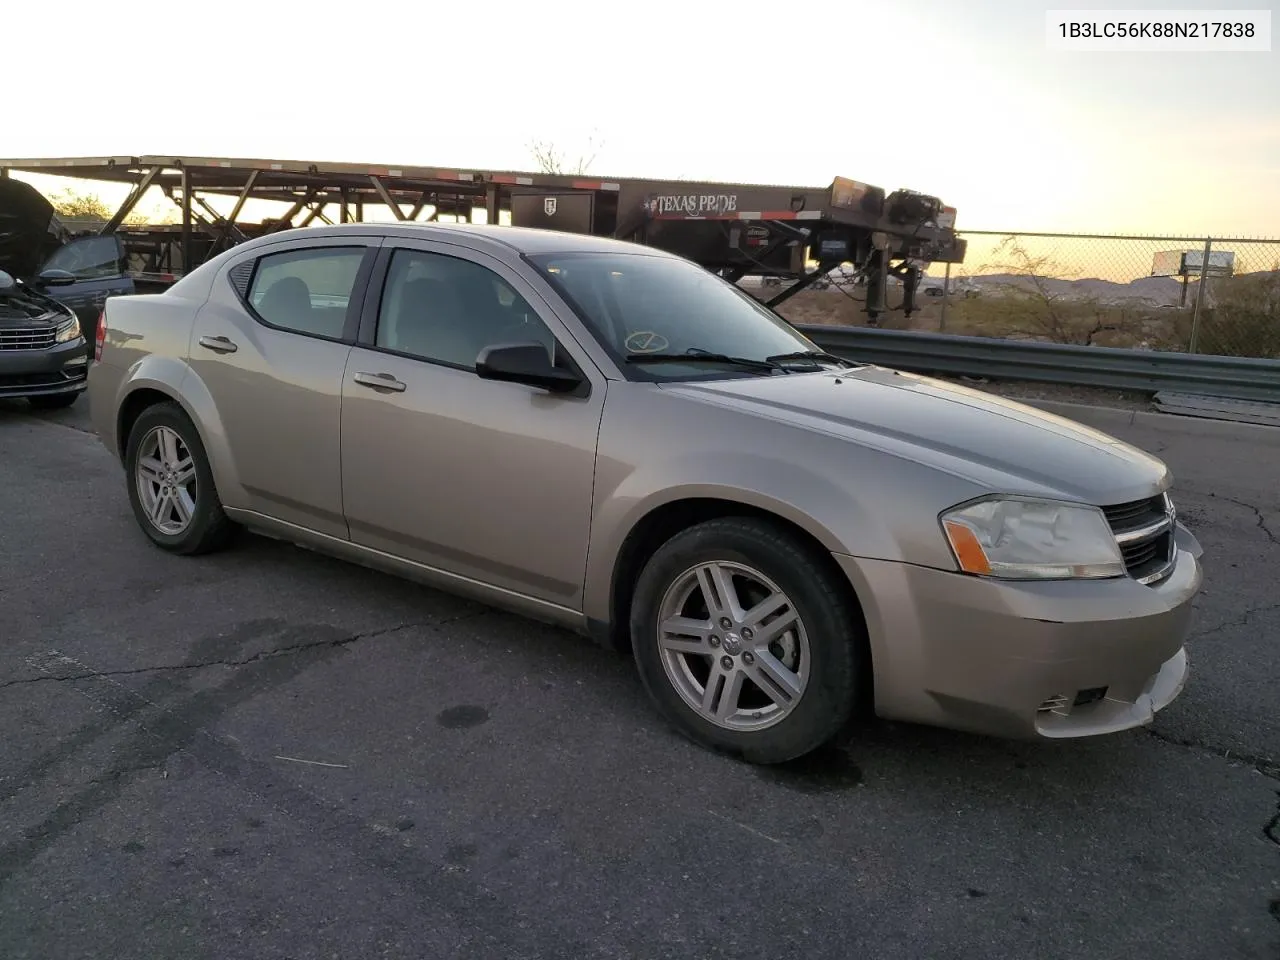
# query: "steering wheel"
{"points": [[646, 341]]}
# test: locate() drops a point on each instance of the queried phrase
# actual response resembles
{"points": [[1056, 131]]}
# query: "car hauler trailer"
{"points": [[791, 236], [795, 233]]}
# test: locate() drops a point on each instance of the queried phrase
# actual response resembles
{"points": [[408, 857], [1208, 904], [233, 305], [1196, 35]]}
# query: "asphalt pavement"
{"points": [[270, 754]]}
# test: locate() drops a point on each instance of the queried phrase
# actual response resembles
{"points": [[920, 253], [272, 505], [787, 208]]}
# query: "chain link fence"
{"points": [[1216, 296]]}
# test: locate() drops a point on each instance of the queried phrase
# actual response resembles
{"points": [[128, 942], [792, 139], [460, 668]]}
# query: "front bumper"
{"points": [[62, 368], [1025, 659]]}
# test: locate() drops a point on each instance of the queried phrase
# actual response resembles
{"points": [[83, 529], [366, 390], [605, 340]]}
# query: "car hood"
{"points": [[22, 307], [1000, 444], [28, 228]]}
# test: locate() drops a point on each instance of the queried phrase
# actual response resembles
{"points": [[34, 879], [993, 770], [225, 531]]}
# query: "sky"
{"points": [[957, 98]]}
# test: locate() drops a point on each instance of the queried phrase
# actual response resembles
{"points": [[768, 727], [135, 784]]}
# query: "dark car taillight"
{"points": [[100, 336]]}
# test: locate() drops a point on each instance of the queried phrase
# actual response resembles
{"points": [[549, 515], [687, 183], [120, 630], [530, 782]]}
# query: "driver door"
{"points": [[485, 480]]}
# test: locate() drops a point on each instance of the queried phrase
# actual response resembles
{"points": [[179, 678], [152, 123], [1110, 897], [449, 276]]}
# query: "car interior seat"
{"points": [[287, 303], [430, 322]]}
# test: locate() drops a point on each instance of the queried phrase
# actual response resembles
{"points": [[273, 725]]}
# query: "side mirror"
{"points": [[6, 282], [56, 278], [525, 363]]}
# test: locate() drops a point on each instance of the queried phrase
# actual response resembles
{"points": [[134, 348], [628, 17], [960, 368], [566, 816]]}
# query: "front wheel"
{"points": [[745, 640]]}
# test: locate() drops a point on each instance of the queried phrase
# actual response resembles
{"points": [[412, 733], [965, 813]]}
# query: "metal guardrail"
{"points": [[1243, 378]]}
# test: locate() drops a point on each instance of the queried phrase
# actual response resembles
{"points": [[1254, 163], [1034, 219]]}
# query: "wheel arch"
{"points": [[665, 520], [133, 404], [150, 387]]}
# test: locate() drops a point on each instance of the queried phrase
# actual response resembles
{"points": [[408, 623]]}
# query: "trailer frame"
{"points": [[734, 229]]}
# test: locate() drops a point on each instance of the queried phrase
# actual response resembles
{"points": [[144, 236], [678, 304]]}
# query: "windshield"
{"points": [[88, 258], [640, 305]]}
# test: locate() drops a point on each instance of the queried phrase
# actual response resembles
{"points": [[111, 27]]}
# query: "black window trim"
{"points": [[355, 302], [367, 336]]}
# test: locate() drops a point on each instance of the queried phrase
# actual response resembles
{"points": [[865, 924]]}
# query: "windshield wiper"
{"points": [[814, 355], [698, 355]]}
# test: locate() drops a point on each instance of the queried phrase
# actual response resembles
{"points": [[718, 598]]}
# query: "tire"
{"points": [[54, 401], [206, 528], [826, 654]]}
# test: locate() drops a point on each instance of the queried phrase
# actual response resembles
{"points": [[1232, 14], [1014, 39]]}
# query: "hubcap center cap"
{"points": [[732, 644]]}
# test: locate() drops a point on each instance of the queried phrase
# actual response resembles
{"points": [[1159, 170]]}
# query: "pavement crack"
{"points": [[1262, 520], [1272, 830], [1267, 766], [1263, 765], [285, 651], [119, 773], [1239, 620]]}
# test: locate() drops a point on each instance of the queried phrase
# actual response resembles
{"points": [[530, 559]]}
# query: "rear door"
{"points": [[271, 346]]}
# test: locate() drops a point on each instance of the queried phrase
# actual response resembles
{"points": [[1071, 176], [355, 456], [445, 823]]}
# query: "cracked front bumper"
{"points": [[1024, 659]]}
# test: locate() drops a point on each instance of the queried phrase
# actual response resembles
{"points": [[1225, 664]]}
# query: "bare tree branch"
{"points": [[550, 159]]}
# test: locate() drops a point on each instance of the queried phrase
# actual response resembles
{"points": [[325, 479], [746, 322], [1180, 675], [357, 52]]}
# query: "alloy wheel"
{"points": [[166, 479], [733, 645]]}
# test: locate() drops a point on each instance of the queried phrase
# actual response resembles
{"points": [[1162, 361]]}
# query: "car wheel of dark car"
{"points": [[746, 641], [54, 401], [170, 483]]}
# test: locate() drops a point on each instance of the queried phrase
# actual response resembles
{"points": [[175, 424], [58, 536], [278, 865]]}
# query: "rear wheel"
{"points": [[170, 483], [53, 401], [745, 640]]}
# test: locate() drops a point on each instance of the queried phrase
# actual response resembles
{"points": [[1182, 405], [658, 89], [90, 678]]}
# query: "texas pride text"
{"points": [[694, 204]]}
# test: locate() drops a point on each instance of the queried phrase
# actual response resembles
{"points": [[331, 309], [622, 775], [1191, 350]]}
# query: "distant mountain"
{"points": [[1150, 291]]}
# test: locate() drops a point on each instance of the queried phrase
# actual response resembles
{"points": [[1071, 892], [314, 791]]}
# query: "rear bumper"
{"points": [[1026, 660], [63, 368]]}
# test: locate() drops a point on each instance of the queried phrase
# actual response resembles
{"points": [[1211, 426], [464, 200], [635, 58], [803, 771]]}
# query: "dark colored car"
{"points": [[42, 350], [52, 288], [78, 271]]}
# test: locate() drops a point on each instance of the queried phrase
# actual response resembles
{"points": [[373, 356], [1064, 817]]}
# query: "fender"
{"points": [[840, 523]]}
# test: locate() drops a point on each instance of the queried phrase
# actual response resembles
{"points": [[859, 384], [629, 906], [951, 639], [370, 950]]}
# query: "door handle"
{"points": [[379, 381], [218, 344]]}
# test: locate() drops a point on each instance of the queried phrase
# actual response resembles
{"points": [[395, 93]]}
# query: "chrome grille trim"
{"points": [[1148, 532], [27, 338], [1144, 531], [1157, 575]]}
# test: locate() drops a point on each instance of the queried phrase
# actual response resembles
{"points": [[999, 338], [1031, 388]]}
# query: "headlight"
{"points": [[1020, 539], [68, 331]]}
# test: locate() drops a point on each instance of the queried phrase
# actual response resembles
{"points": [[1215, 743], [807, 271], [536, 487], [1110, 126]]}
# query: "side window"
{"points": [[89, 258], [448, 309], [306, 291]]}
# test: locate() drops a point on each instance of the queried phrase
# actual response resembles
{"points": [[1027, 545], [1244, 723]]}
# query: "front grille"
{"points": [[1144, 533], [1137, 513], [27, 338]]}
